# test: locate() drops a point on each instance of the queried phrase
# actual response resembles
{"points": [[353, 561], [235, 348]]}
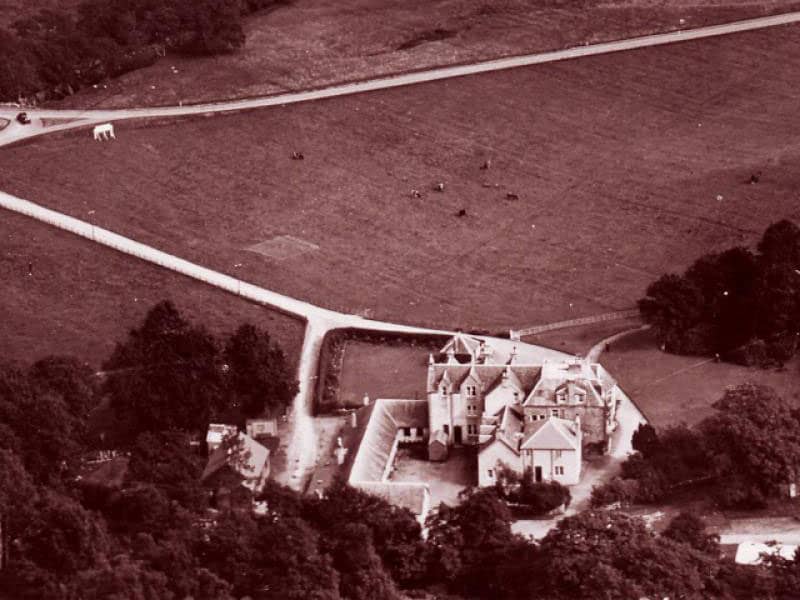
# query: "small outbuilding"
{"points": [[437, 446]]}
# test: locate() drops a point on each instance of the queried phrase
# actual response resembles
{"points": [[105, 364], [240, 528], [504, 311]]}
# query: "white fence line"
{"points": [[516, 334], [152, 255]]}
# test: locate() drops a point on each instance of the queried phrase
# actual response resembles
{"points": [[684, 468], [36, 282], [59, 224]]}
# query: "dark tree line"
{"points": [[55, 52], [745, 454], [172, 374], [151, 536], [741, 305]]}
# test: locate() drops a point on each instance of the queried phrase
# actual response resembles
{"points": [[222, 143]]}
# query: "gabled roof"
{"points": [[489, 375], [590, 378], [242, 454], [375, 447], [462, 344], [555, 434]]}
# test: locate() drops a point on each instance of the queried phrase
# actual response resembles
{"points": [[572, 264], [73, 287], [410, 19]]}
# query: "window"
{"points": [[532, 418], [553, 412], [446, 429], [490, 472], [472, 429], [420, 431], [579, 398], [559, 470], [516, 396], [560, 397], [444, 391], [470, 390], [407, 431]]}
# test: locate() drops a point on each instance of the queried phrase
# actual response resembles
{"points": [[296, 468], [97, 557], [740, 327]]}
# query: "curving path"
{"points": [[82, 118], [301, 449]]}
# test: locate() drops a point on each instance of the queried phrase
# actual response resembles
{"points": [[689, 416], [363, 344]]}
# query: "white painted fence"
{"points": [[152, 255]]}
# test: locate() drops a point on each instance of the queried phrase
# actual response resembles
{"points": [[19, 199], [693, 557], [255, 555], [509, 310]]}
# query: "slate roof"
{"points": [[376, 445], [243, 455], [589, 378], [489, 375], [555, 434], [405, 495]]}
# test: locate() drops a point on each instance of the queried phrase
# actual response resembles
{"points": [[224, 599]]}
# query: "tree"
{"points": [[674, 307], [688, 528], [754, 443], [538, 498], [53, 435], [166, 375], [120, 578], [612, 555], [259, 378], [66, 376], [164, 459], [396, 533]]}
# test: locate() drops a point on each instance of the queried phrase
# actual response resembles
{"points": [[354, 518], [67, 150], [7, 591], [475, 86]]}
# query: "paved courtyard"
{"points": [[445, 479]]}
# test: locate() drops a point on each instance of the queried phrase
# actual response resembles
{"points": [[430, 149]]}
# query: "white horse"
{"points": [[104, 132]]}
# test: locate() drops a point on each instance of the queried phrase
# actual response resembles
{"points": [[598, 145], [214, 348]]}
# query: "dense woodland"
{"points": [[154, 535], [740, 305], [54, 53]]}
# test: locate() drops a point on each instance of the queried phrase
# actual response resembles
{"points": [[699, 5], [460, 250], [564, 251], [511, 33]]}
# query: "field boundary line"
{"points": [[93, 116], [517, 334]]}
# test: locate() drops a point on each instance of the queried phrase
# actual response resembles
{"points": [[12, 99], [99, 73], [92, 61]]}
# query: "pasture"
{"points": [[311, 43], [672, 389], [617, 163], [82, 298]]}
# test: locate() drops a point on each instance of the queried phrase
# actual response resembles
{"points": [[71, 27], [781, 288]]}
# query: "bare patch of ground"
{"points": [[445, 479]]}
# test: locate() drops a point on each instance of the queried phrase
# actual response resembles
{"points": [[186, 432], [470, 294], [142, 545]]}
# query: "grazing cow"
{"points": [[416, 194], [297, 156], [104, 132], [755, 178], [487, 165], [511, 196], [462, 213], [439, 187]]}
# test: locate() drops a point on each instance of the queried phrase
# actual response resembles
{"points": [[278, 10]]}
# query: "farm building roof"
{"points": [[413, 496], [242, 454], [376, 446]]}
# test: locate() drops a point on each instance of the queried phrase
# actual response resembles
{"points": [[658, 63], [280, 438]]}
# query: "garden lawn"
{"points": [[671, 389], [82, 298], [626, 166], [382, 371], [310, 43]]}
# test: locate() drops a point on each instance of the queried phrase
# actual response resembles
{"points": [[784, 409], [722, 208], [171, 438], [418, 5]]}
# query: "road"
{"points": [[300, 453], [16, 132]]}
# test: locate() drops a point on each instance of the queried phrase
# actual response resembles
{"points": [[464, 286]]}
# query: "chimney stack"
{"points": [[366, 399], [354, 419]]}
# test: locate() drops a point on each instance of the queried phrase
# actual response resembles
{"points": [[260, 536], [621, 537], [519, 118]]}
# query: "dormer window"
{"points": [[444, 391], [579, 398], [561, 397]]}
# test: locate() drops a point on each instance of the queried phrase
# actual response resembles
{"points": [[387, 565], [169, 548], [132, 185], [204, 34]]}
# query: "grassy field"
{"points": [[617, 160], [82, 298], [13, 10], [671, 389], [310, 43], [382, 372]]}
